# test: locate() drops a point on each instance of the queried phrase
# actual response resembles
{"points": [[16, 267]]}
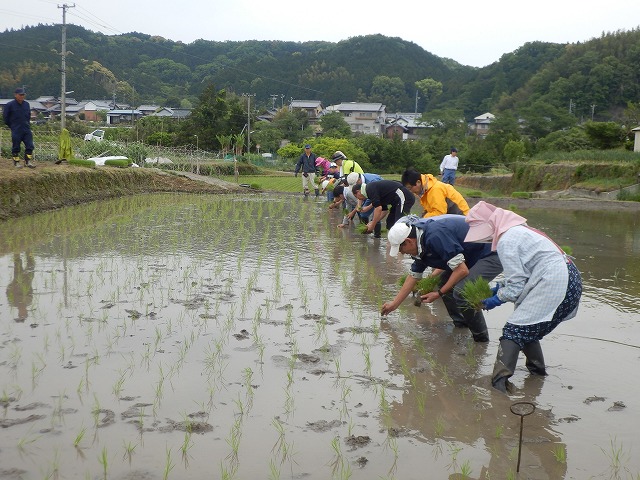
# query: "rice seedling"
{"points": [[567, 249], [426, 285], [274, 471], [560, 453], [439, 427], [616, 455], [475, 291], [129, 449], [465, 469], [498, 431], [168, 465], [103, 459], [79, 437]]}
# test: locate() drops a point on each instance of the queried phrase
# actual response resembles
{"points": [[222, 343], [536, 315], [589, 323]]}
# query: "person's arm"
{"points": [[442, 164], [459, 273], [376, 217], [6, 113], [405, 290]]}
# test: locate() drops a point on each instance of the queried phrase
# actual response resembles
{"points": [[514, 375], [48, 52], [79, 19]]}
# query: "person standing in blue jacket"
{"points": [[17, 116], [307, 163]]}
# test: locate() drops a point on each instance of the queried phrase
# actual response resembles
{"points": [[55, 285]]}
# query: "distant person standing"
{"points": [[449, 166], [17, 116], [307, 163]]}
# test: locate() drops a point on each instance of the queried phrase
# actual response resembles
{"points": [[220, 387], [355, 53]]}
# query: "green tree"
{"points": [[333, 124], [389, 91], [514, 150], [217, 113], [605, 135], [429, 87]]}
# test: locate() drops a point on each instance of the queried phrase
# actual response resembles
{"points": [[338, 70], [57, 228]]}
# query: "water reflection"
{"points": [[142, 288], [20, 289]]}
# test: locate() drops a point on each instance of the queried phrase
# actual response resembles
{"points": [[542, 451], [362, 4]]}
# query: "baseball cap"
{"points": [[20, 91], [333, 164], [307, 146], [397, 234], [352, 178]]}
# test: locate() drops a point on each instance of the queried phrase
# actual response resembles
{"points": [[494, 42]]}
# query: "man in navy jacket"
{"points": [[17, 115]]}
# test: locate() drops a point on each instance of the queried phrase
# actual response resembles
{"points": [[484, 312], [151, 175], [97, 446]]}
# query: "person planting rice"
{"points": [[539, 278], [438, 242]]}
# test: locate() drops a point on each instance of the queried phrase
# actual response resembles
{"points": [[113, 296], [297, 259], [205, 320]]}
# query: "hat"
{"points": [[454, 149], [333, 165], [338, 156], [397, 234], [488, 222], [353, 178], [478, 220], [307, 146], [19, 91]]}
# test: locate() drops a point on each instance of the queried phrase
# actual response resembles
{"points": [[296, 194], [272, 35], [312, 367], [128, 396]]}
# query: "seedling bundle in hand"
{"points": [[426, 285], [475, 291]]}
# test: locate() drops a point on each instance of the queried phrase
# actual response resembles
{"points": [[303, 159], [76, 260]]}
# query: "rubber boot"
{"points": [[505, 365], [377, 230], [27, 161], [317, 192], [16, 162], [474, 320], [454, 311], [535, 358]]}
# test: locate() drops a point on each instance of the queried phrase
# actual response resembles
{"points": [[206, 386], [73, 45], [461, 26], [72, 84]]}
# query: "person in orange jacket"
{"points": [[436, 197]]}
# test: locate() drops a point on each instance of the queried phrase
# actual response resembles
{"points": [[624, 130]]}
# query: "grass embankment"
{"points": [[27, 191]]}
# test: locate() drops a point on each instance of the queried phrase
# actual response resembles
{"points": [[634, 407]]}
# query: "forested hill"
{"points": [[539, 77]]}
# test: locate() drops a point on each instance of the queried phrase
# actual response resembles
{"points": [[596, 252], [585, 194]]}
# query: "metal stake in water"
{"points": [[522, 409]]}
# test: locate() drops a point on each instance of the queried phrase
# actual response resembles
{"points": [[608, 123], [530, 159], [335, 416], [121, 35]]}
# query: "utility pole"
{"points": [[417, 98], [273, 101], [593, 109], [63, 96], [248, 95]]}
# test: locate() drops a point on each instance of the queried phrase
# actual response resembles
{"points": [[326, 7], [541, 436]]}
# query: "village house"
{"points": [[405, 125], [363, 118]]}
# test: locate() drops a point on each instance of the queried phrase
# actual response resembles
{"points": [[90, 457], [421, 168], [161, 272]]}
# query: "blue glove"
{"points": [[491, 302], [495, 289]]}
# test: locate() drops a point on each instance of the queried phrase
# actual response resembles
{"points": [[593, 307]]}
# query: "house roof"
{"points": [[306, 104], [357, 106], [485, 116]]}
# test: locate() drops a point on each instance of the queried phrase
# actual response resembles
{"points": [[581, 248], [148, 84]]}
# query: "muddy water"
{"points": [[238, 337]]}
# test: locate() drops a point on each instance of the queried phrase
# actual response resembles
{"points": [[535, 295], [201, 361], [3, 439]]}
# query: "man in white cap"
{"points": [[438, 242]]}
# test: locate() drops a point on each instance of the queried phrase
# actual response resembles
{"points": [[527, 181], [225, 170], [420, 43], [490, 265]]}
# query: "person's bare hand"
{"points": [[387, 308], [430, 297]]}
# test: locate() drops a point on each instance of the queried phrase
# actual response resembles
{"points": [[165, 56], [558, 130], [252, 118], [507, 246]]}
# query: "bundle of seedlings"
{"points": [[426, 285], [475, 291]]}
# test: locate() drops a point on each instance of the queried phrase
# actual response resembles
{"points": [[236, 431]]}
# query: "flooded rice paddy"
{"points": [[238, 337]]}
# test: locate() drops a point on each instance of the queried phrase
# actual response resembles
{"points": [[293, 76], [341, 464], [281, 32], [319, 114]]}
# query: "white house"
{"points": [[363, 118]]}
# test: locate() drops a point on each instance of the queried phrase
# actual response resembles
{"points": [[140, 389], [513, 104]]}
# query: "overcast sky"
{"points": [[463, 30]]}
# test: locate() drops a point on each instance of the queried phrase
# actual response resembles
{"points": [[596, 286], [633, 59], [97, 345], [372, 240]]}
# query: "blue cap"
{"points": [[19, 91], [307, 146]]}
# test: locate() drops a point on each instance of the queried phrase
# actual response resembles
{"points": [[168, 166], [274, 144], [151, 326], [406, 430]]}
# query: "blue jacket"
{"points": [[17, 116], [308, 164], [442, 239]]}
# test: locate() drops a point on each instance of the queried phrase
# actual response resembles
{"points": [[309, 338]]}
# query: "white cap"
{"points": [[352, 178], [397, 234]]}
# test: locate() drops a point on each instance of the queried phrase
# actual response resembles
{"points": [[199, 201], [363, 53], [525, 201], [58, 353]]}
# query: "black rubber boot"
{"points": [[377, 230], [477, 325], [505, 365], [317, 192], [535, 358]]}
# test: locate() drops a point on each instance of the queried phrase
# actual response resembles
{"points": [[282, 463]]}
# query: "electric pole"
{"points": [[63, 96], [248, 95]]}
